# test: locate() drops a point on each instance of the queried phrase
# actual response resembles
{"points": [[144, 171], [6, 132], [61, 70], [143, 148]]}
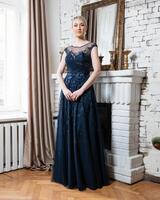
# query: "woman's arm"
{"points": [[96, 71], [60, 72]]}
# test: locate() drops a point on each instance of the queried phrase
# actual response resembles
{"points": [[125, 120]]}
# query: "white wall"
{"points": [[53, 30], [142, 35]]}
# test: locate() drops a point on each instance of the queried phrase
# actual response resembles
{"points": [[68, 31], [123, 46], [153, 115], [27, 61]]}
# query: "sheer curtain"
{"points": [[106, 21], [13, 56]]}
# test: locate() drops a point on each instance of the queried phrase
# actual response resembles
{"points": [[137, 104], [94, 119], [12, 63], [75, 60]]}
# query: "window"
{"points": [[13, 56]]}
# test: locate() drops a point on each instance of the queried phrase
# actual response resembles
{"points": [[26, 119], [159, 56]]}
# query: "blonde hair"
{"points": [[80, 18]]}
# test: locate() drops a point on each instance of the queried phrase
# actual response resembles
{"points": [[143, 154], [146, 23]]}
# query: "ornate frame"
{"points": [[119, 44]]}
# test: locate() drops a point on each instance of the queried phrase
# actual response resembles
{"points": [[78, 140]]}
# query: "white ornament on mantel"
{"points": [[121, 88]]}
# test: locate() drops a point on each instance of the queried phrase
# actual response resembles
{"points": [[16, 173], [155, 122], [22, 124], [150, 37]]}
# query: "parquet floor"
{"points": [[25, 184]]}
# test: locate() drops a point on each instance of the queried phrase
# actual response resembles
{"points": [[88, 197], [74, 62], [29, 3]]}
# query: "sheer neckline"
{"points": [[81, 45], [85, 48]]}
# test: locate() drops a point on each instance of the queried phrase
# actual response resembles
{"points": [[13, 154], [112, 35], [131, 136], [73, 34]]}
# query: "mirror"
{"points": [[105, 21]]}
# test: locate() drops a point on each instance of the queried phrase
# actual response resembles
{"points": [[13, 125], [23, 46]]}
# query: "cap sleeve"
{"points": [[93, 45]]}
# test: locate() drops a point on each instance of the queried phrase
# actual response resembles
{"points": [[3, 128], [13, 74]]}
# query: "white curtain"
{"points": [[106, 21]]}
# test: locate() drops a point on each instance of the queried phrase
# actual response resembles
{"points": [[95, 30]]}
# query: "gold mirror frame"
{"points": [[119, 41]]}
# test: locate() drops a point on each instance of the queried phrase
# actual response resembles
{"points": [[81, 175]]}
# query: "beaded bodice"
{"points": [[78, 59]]}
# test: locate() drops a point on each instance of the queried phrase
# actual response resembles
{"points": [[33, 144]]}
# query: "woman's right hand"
{"points": [[68, 94]]}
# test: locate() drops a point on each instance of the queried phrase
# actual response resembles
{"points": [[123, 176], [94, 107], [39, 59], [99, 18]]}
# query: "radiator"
{"points": [[11, 145]]}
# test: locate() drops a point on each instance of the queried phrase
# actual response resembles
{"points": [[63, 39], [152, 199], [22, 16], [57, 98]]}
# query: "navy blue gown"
{"points": [[79, 160]]}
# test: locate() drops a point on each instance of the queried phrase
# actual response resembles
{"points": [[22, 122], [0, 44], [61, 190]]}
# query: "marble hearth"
{"points": [[122, 89]]}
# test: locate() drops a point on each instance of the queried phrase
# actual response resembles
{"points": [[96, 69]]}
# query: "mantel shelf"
{"points": [[118, 73], [124, 73]]}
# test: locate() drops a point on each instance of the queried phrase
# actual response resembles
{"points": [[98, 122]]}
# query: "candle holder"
{"points": [[125, 54], [113, 57]]}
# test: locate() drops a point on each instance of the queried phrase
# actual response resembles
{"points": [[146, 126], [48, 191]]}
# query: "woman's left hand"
{"points": [[76, 94]]}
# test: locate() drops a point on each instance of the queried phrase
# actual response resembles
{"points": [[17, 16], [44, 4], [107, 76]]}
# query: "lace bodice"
{"points": [[78, 59]]}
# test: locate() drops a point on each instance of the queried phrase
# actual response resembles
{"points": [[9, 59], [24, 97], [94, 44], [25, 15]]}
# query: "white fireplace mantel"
{"points": [[122, 88], [123, 73]]}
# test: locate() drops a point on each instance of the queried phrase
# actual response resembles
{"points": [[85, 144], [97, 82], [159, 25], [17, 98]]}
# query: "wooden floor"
{"points": [[36, 185]]}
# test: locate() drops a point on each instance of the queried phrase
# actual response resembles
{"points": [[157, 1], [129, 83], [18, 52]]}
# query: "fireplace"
{"points": [[121, 90]]}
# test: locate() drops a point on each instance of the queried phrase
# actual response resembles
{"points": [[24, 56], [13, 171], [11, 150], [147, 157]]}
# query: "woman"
{"points": [[79, 156]]}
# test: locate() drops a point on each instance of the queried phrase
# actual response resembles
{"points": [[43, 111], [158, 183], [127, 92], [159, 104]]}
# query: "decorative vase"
{"points": [[156, 142]]}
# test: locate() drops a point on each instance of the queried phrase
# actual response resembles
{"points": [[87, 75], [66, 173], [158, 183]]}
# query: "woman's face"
{"points": [[79, 28]]}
